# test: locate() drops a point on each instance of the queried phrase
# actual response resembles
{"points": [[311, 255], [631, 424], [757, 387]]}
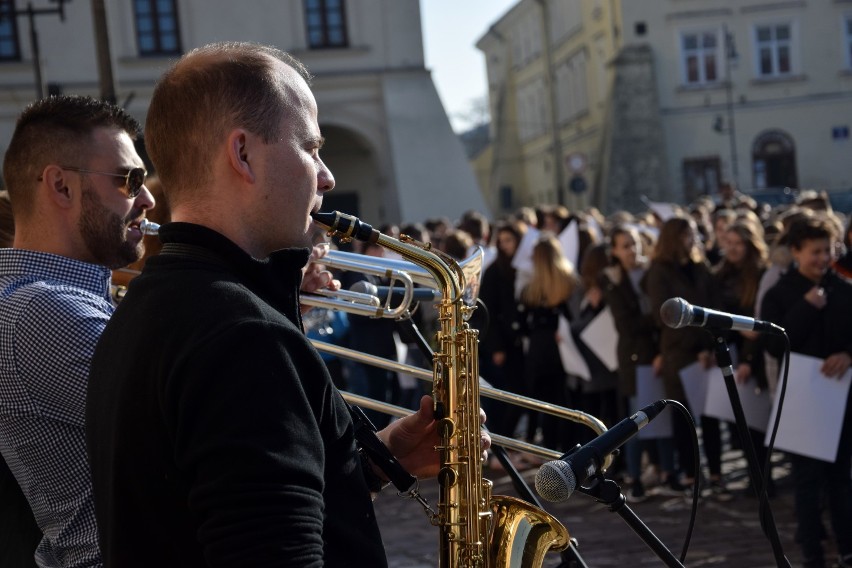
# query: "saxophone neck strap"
{"points": [[378, 452]]}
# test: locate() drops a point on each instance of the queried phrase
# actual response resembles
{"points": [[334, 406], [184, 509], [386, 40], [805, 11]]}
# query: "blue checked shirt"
{"points": [[52, 312]]}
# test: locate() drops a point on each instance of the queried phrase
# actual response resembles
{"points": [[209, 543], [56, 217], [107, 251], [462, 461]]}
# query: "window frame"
{"points": [[13, 35], [791, 43], [846, 35], [156, 34], [701, 53], [325, 29]]}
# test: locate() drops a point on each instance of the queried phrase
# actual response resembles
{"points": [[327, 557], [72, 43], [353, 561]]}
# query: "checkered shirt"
{"points": [[52, 312]]}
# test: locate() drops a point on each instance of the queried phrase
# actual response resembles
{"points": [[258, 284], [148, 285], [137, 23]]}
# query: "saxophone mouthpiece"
{"points": [[149, 227], [345, 227]]}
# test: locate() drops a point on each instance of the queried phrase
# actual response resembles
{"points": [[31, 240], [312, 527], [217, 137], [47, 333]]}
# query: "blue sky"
{"points": [[450, 31]]}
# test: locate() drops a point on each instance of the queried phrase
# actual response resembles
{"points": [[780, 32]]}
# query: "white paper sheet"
{"points": [[602, 338], [522, 261], [650, 389], [572, 360], [813, 410], [694, 379], [756, 402], [569, 238]]}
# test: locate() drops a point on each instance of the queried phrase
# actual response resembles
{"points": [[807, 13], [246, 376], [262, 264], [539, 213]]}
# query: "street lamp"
{"points": [[731, 58]]}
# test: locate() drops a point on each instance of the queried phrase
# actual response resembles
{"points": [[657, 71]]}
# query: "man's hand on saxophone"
{"points": [[412, 441]]}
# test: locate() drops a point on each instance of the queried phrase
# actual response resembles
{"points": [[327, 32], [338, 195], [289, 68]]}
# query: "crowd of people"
{"points": [[724, 252], [195, 424]]}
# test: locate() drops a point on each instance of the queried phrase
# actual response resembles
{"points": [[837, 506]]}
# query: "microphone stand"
{"points": [[570, 556], [608, 492], [767, 520]]}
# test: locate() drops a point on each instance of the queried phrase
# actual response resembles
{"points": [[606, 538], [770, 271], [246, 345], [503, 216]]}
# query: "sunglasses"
{"points": [[134, 179]]}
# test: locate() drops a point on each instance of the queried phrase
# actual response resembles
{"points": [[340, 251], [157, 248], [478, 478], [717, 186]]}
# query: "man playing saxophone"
{"points": [[215, 434]]}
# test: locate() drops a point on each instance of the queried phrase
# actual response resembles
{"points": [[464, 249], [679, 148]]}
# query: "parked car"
{"points": [[841, 199]]}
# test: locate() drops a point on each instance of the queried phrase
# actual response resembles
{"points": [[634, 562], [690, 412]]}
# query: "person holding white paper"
{"points": [[814, 306], [598, 395], [638, 344], [544, 300], [678, 269], [738, 277]]}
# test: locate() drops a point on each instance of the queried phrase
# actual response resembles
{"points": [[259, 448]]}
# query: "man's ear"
{"points": [[55, 182], [240, 154]]}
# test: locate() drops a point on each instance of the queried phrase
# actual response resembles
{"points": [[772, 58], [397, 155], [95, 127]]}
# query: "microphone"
{"points": [[418, 295], [556, 480], [677, 312]]}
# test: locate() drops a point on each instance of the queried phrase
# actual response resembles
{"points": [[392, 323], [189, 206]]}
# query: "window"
{"points": [[532, 118], [326, 23], [9, 48], [774, 45], [847, 39], [566, 18], [526, 40], [700, 52], [701, 176], [571, 84], [506, 201], [157, 27]]}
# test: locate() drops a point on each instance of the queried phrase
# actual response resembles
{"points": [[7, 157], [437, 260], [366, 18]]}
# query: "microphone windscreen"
{"points": [[364, 287], [555, 481], [675, 312]]}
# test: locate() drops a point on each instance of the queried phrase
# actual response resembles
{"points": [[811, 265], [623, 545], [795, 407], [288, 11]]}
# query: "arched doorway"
{"points": [[352, 161], [774, 160]]}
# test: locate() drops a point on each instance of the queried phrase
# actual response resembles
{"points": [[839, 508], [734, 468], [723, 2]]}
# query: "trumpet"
{"points": [[402, 272]]}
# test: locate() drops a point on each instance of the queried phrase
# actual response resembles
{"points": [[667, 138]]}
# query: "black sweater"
{"points": [[812, 331], [215, 435]]}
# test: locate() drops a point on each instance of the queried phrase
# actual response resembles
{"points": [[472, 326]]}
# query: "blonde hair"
{"points": [[553, 278]]}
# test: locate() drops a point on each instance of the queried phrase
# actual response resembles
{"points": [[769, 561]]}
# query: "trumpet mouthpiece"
{"points": [[149, 227]]}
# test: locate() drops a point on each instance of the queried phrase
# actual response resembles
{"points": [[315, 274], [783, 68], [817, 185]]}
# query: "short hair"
{"points": [[7, 222], [56, 130], [809, 228], [475, 224], [457, 243], [207, 92]]}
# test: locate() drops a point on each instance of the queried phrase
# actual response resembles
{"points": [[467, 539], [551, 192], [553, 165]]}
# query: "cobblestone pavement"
{"points": [[726, 533]]}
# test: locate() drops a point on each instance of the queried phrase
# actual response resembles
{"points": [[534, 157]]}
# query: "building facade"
{"points": [[663, 100], [389, 143]]}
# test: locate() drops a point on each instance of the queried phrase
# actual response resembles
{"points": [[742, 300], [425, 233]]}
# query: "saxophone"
{"points": [[476, 529]]}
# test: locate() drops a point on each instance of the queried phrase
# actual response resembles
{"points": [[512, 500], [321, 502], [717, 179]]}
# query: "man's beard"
{"points": [[105, 233]]}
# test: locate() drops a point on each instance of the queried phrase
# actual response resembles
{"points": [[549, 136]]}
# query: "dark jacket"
{"points": [[729, 288], [215, 434], [637, 333], [497, 292], [812, 331], [679, 347]]}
